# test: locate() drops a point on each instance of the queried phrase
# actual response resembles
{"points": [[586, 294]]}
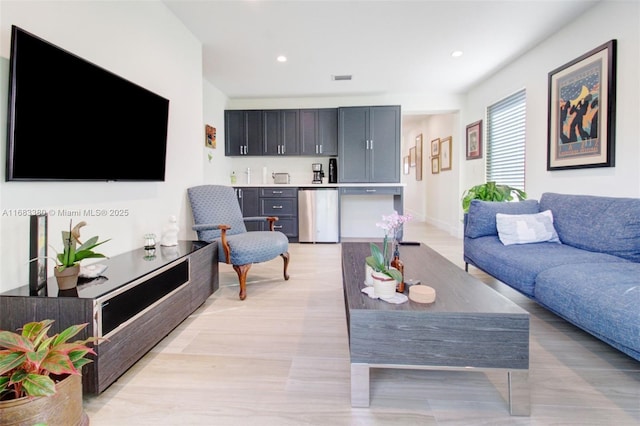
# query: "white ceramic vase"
{"points": [[368, 270], [384, 286]]}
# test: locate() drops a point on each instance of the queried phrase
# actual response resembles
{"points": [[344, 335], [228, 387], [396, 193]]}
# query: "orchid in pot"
{"points": [[380, 260], [68, 262]]}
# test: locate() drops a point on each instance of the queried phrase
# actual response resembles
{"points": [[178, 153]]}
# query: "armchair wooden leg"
{"points": [[285, 256], [242, 271]]}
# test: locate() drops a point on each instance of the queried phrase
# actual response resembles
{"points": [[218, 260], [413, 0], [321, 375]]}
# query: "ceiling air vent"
{"points": [[345, 77]]}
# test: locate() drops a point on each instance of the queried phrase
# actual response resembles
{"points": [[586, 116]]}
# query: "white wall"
{"points": [[142, 42], [608, 20], [217, 167], [432, 199]]}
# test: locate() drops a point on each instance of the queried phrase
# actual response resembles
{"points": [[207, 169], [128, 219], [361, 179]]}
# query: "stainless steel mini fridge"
{"points": [[318, 215]]}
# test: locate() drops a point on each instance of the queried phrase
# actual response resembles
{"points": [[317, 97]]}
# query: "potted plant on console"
{"points": [[67, 266], [40, 376]]}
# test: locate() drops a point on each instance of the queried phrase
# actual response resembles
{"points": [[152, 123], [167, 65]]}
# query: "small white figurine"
{"points": [[170, 232]]}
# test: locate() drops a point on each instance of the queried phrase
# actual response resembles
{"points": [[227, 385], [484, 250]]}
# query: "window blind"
{"points": [[506, 140]]}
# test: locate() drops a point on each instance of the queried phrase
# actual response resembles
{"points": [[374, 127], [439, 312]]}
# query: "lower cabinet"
{"points": [[283, 203], [140, 299], [250, 206], [271, 201]]}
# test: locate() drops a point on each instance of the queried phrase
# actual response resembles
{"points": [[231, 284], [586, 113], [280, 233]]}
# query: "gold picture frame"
{"points": [[435, 147], [435, 165], [445, 153], [419, 157], [412, 156]]}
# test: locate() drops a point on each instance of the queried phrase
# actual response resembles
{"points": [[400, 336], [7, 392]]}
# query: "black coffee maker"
{"points": [[318, 174]]}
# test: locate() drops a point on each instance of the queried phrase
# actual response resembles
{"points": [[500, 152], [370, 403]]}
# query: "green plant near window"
{"points": [[491, 191]]}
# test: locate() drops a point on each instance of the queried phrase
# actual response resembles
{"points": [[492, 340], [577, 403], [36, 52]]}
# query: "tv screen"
{"points": [[70, 120]]}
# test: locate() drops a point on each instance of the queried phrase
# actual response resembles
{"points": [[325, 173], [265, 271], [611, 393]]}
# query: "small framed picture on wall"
{"points": [[445, 153], [435, 165], [435, 147], [474, 140]]}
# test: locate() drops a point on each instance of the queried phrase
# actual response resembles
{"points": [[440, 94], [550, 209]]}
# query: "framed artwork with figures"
{"points": [[581, 116]]}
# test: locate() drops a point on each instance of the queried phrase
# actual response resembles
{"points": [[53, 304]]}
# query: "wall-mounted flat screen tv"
{"points": [[71, 120]]}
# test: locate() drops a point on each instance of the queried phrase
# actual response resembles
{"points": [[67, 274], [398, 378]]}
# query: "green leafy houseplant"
{"points": [[490, 191], [71, 254], [380, 261], [377, 262], [31, 361]]}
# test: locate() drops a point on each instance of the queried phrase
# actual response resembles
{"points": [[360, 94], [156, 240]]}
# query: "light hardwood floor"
{"points": [[281, 357]]}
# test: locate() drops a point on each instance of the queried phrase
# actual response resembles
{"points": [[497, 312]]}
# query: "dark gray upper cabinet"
{"points": [[243, 132], [369, 144], [319, 131], [312, 132], [280, 132]]}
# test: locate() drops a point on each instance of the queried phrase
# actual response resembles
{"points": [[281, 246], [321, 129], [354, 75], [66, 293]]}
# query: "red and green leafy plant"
{"points": [[31, 362]]}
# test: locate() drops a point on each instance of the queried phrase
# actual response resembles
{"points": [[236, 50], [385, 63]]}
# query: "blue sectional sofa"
{"points": [[584, 266]]}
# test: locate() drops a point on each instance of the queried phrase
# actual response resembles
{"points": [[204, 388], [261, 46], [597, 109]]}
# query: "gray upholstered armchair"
{"points": [[217, 216]]}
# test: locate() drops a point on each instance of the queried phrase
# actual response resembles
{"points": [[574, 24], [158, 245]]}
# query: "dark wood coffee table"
{"points": [[470, 326]]}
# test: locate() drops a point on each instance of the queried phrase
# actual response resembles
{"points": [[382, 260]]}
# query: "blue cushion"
{"points": [[481, 220], [254, 247], [603, 299], [603, 224], [519, 265]]}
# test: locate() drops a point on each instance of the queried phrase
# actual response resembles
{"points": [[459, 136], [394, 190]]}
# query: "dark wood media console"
{"points": [[133, 305]]}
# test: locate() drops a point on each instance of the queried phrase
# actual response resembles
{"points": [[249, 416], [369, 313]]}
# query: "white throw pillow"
{"points": [[526, 228]]}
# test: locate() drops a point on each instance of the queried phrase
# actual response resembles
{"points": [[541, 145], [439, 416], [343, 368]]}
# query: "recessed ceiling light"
{"points": [[282, 58], [456, 53]]}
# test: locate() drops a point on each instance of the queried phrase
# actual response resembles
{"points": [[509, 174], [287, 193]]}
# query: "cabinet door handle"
{"points": [[276, 207], [371, 144], [239, 193], [316, 149], [370, 190], [276, 192], [282, 149], [277, 227], [320, 149]]}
